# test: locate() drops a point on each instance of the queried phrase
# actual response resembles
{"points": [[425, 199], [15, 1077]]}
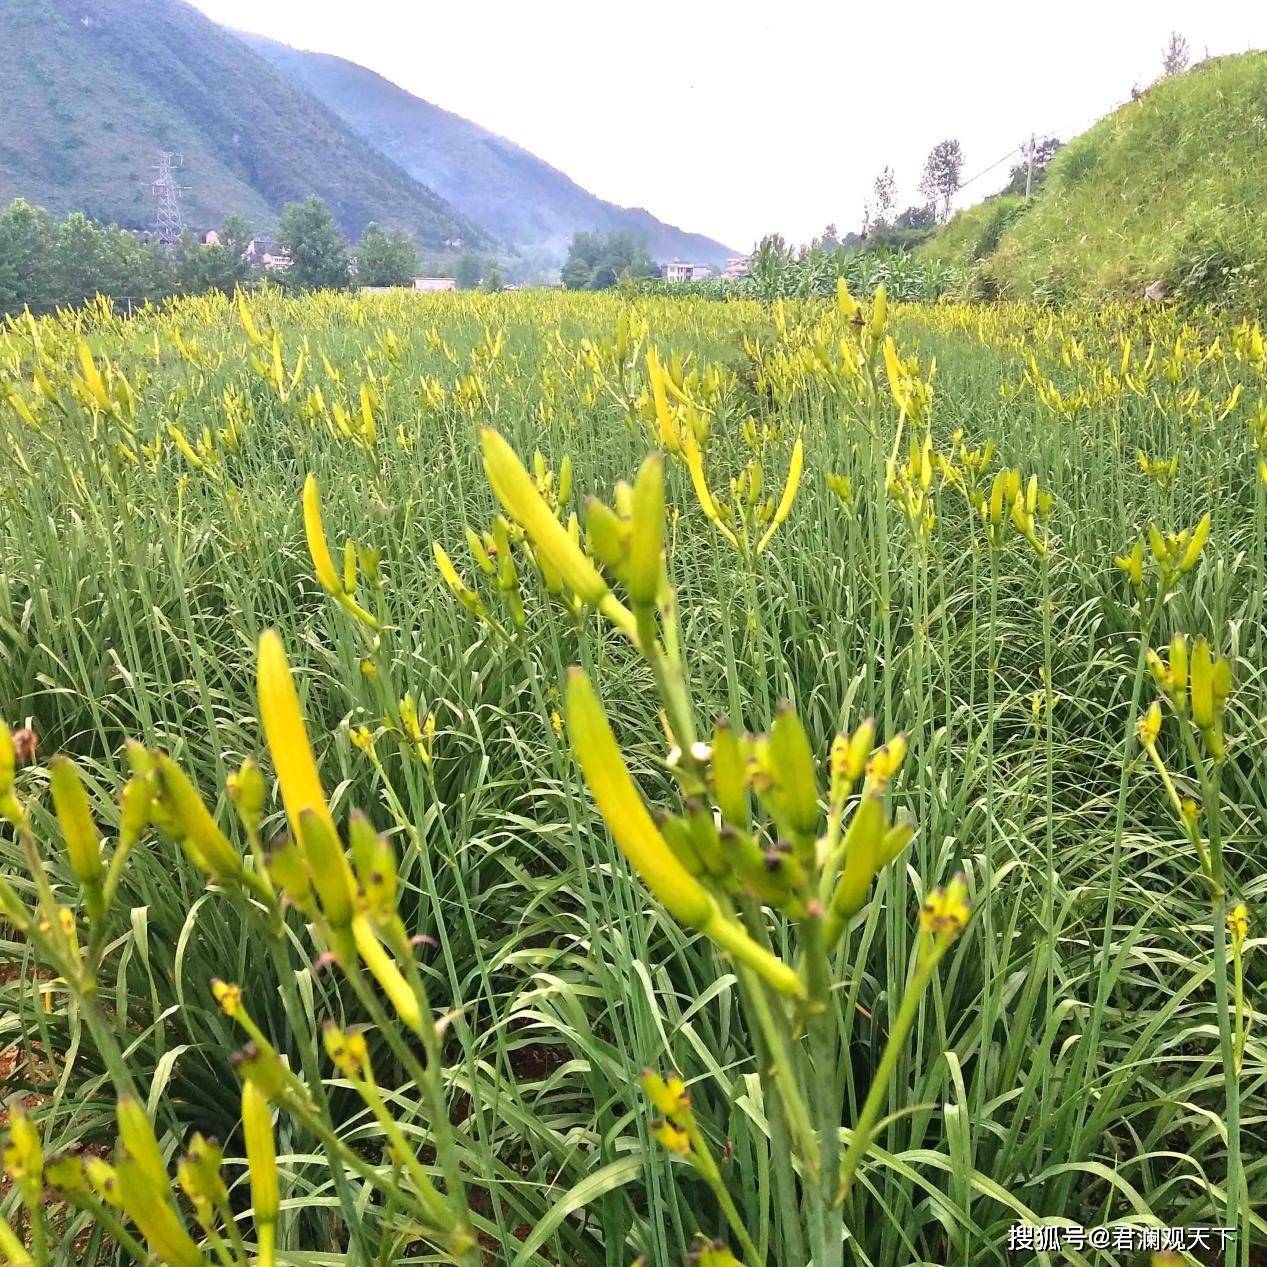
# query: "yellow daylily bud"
{"points": [[198, 1173], [622, 807], [261, 1160], [288, 869], [229, 997], [713, 1254], [517, 492], [374, 860], [246, 790], [1201, 673], [263, 1066], [886, 761], [149, 1206], [729, 785], [74, 815], [139, 1141], [945, 912], [1238, 924], [12, 1251], [862, 844], [1179, 672], [287, 736], [850, 756], [894, 841], [66, 1173], [384, 970], [23, 1156], [671, 1137], [879, 311], [606, 534], [206, 843], [795, 775], [314, 530], [8, 760], [1149, 726], [328, 865], [795, 468], [104, 1179], [1199, 536], [668, 1096], [647, 539], [135, 803], [347, 1050], [848, 305]]}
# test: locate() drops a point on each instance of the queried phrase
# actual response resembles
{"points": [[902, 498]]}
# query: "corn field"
{"points": [[588, 779]]}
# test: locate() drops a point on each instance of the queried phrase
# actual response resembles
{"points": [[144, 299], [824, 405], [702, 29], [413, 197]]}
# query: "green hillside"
{"points": [[92, 89], [1171, 187], [496, 183]]}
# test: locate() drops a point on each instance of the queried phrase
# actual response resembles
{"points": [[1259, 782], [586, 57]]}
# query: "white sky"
{"points": [[737, 118]]}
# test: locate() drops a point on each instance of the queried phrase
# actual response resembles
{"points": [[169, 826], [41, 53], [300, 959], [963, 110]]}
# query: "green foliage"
{"points": [[778, 272], [1064, 1065], [1044, 151], [47, 263], [318, 253], [468, 271], [939, 181], [386, 258], [595, 262], [973, 234], [1170, 188]]}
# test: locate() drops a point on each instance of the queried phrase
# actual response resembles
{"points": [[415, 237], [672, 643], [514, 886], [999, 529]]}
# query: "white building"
{"points": [[435, 283]]}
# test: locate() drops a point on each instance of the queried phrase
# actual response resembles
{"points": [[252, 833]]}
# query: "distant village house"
{"points": [[683, 271], [435, 283], [266, 254]]}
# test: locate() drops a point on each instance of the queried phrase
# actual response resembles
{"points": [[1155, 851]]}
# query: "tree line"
{"points": [[47, 262]]}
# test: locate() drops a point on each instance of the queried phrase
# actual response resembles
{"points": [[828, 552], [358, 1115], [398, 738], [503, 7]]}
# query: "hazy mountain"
{"points": [[512, 193], [90, 90]]}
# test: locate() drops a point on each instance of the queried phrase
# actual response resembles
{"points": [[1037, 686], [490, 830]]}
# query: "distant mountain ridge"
{"points": [[518, 197], [91, 90]]}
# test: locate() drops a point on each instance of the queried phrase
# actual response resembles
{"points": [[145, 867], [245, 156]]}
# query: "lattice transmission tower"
{"points": [[170, 224]]}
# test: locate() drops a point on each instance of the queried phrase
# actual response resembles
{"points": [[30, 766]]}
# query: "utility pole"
{"points": [[1030, 150], [169, 225]]}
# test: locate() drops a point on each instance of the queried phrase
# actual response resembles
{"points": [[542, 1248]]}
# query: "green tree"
{"points": [[319, 255], [386, 258], [595, 262], [493, 281], [26, 242], [1044, 150], [468, 272], [940, 180]]}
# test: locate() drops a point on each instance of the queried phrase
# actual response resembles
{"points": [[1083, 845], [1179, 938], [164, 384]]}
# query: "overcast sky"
{"points": [[735, 118]]}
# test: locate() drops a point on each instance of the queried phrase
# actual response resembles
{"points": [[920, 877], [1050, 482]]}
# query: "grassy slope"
{"points": [[91, 92], [497, 183], [1172, 187]]}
